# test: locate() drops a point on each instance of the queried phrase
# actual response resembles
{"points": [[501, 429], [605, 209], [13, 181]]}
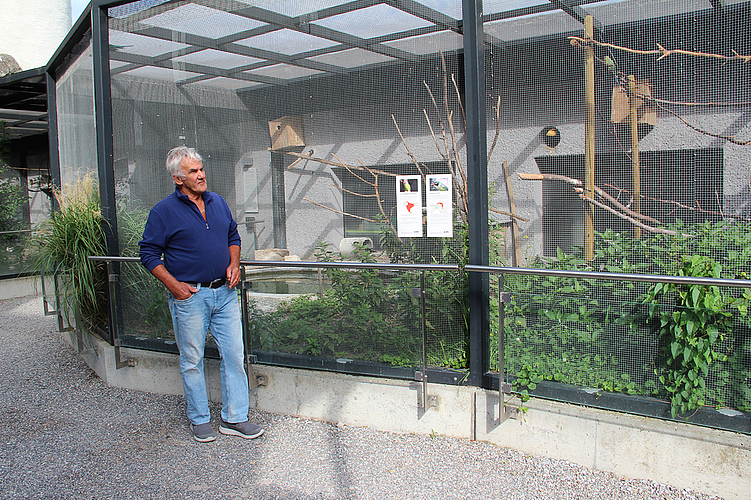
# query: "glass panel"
{"points": [[75, 119], [294, 8], [286, 41], [366, 316], [360, 23], [202, 21], [629, 338]]}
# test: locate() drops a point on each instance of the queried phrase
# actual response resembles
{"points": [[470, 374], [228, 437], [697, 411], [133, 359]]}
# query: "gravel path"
{"points": [[65, 435]]}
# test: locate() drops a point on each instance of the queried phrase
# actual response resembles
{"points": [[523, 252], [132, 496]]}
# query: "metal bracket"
{"points": [[254, 379], [506, 411], [122, 363], [427, 401]]}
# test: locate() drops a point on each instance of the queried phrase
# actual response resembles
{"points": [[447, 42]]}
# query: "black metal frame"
{"points": [[95, 18], [477, 175]]}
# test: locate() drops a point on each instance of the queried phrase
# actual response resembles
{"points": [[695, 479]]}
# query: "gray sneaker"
{"points": [[243, 429], [203, 433]]}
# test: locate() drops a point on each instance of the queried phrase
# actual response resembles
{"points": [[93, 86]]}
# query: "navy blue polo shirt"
{"points": [[194, 249]]}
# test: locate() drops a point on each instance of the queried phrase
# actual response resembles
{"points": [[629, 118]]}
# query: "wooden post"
{"points": [[514, 224], [589, 142], [634, 118]]}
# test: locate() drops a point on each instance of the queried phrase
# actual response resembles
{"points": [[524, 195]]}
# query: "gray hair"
{"points": [[175, 159]]}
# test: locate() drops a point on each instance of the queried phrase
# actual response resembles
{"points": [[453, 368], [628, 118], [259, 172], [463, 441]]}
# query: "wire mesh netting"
{"points": [[309, 116], [622, 146]]}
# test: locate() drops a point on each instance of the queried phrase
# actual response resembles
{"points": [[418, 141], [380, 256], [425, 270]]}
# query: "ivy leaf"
{"points": [[690, 328], [674, 348], [695, 293]]}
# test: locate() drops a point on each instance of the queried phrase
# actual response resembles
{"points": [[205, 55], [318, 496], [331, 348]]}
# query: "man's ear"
{"points": [[177, 180]]}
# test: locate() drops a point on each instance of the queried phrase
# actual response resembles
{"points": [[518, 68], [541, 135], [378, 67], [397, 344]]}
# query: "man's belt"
{"points": [[209, 284]]}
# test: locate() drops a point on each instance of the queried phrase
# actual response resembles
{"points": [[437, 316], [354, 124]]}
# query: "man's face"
{"points": [[194, 181]]}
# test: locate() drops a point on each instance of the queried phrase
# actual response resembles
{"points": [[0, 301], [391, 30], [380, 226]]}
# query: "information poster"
{"points": [[439, 203], [409, 206]]}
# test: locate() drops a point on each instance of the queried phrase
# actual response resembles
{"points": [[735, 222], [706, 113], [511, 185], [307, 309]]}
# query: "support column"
{"points": [[477, 173]]}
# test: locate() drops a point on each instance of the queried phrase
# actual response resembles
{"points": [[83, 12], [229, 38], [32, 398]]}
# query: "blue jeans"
{"points": [[214, 309]]}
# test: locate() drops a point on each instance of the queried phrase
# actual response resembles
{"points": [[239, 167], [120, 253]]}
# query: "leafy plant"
{"points": [[693, 330], [12, 199]]}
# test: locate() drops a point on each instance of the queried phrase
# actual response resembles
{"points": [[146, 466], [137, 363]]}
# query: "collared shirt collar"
{"points": [[184, 198]]}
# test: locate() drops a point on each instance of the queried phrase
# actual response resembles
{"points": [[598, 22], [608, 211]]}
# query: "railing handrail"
{"points": [[17, 231], [651, 278], [314, 265], [527, 271]]}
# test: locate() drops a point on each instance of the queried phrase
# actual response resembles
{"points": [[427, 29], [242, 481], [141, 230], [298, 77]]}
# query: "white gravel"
{"points": [[65, 435]]}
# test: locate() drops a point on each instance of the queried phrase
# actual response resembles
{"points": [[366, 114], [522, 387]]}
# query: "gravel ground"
{"points": [[65, 435]]}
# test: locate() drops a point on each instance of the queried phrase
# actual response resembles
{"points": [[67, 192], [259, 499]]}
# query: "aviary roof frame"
{"points": [[249, 40]]}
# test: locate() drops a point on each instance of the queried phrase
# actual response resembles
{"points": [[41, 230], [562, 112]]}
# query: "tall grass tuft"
{"points": [[64, 243]]}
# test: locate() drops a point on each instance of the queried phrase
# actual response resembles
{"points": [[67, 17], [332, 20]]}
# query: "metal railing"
{"points": [[418, 292], [504, 387]]}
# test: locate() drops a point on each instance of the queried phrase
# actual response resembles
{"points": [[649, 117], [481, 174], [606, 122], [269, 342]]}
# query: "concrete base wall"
{"points": [[685, 456], [13, 288]]}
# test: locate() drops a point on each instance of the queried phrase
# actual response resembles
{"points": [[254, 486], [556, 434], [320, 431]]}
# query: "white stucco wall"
{"points": [[31, 30]]}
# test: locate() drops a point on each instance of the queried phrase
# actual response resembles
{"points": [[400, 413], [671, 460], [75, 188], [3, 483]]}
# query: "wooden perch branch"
{"points": [[549, 177], [680, 205], [578, 184], [728, 138], [409, 151], [497, 127], [660, 50]]}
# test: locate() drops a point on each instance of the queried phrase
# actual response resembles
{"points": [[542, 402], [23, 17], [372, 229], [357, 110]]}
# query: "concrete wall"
{"points": [[12, 288], [711, 461], [33, 29]]}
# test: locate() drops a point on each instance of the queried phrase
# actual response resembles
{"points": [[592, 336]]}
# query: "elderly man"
{"points": [[193, 228]]}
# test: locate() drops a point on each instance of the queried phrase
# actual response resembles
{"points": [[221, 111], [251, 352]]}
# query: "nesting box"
{"points": [[286, 132], [620, 109]]}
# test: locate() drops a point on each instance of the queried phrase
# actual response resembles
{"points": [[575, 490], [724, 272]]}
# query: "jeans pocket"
{"points": [[184, 301]]}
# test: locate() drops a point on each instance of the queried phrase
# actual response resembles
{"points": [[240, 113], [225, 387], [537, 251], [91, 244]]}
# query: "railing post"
{"points": [[112, 279], [254, 380], [426, 401], [503, 387]]}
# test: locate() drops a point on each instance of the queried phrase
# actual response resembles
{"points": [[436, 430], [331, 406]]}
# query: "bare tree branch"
{"points": [[635, 222], [578, 188], [497, 127], [340, 212]]}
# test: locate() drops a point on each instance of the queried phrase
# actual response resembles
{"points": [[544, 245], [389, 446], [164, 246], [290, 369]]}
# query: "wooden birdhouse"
{"points": [[620, 109], [286, 132]]}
